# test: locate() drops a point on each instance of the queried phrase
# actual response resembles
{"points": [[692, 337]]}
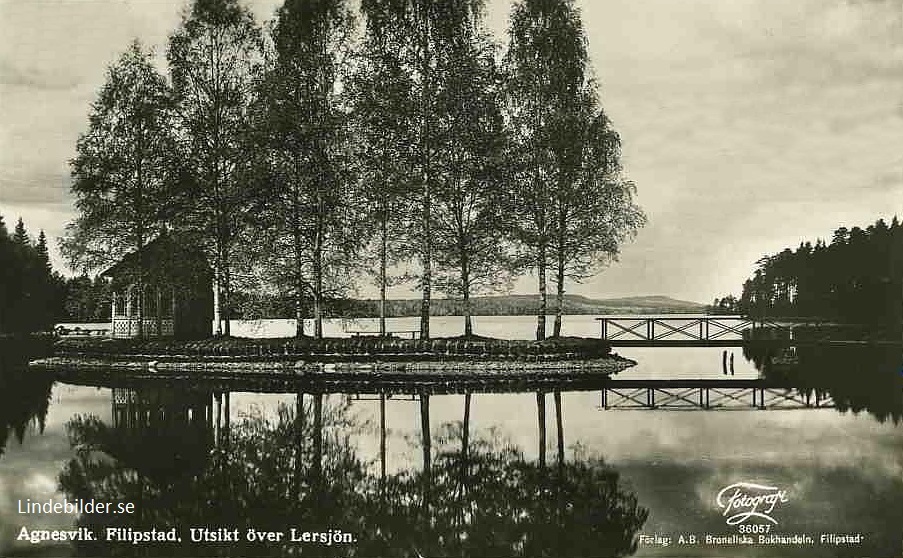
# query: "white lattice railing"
{"points": [[128, 327]]}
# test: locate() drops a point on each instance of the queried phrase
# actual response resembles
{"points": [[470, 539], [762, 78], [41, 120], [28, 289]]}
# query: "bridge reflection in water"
{"points": [[757, 394]]}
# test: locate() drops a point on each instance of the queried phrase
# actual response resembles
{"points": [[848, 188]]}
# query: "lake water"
{"points": [[643, 477]]}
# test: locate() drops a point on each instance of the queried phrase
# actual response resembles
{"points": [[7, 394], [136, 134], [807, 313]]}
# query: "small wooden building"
{"points": [[163, 290]]}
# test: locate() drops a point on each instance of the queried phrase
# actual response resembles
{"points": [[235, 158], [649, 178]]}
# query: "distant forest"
{"points": [[30, 293], [33, 297], [263, 306], [856, 278]]}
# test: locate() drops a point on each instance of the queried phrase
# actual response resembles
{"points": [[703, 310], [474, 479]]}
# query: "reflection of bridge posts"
{"points": [[723, 394]]}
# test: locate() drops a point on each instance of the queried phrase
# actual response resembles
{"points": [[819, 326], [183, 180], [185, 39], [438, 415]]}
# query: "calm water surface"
{"points": [[630, 476]]}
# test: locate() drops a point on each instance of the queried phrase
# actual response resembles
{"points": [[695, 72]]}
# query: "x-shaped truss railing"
{"points": [[712, 398], [679, 329]]}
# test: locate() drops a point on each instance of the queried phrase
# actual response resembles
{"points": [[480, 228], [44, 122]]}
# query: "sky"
{"points": [[747, 125]]}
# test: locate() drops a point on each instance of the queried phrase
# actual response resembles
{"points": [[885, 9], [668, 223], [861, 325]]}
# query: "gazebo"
{"points": [[165, 289]]}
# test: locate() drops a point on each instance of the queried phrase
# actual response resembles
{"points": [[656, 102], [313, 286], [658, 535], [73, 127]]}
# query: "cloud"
{"points": [[12, 75]]}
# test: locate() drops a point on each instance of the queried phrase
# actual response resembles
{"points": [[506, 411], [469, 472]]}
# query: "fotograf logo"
{"points": [[742, 501]]}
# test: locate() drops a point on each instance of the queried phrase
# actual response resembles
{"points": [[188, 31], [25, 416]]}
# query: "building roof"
{"points": [[165, 258]]}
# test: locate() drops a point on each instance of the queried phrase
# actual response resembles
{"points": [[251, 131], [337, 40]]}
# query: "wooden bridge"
{"points": [[704, 331], [757, 394], [709, 331]]}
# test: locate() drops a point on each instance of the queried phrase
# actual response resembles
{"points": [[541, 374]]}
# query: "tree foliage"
{"points": [[306, 197], [300, 156], [471, 251], [379, 90], [572, 206], [856, 278], [31, 292], [213, 56], [418, 39], [594, 210], [124, 174]]}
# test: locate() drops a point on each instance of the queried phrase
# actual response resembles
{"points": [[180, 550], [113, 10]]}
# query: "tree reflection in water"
{"points": [[858, 378], [266, 473], [24, 394]]}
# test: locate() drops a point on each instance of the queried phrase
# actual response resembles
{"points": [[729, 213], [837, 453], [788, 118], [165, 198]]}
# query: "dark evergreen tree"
{"points": [[30, 292], [857, 278]]}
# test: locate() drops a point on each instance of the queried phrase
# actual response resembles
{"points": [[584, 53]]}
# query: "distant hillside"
{"points": [[515, 305]]}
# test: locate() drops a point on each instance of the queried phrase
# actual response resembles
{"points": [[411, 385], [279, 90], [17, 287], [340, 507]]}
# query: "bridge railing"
{"points": [[666, 328]]}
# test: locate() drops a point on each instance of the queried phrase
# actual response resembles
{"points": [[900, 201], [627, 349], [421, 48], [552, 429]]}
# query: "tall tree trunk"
{"points": [[217, 314], [541, 414], [427, 240], [383, 263], [140, 232], [318, 286], [298, 258], [299, 312], [227, 302], [465, 290], [543, 297], [427, 278], [559, 294]]}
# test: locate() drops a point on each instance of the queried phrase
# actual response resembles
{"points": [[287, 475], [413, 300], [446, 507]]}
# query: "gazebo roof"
{"points": [[164, 258]]}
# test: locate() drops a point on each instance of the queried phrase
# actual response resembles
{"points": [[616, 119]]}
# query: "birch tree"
{"points": [[125, 178], [471, 254], [594, 210], [213, 56], [380, 91], [308, 200], [571, 208], [431, 29]]}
